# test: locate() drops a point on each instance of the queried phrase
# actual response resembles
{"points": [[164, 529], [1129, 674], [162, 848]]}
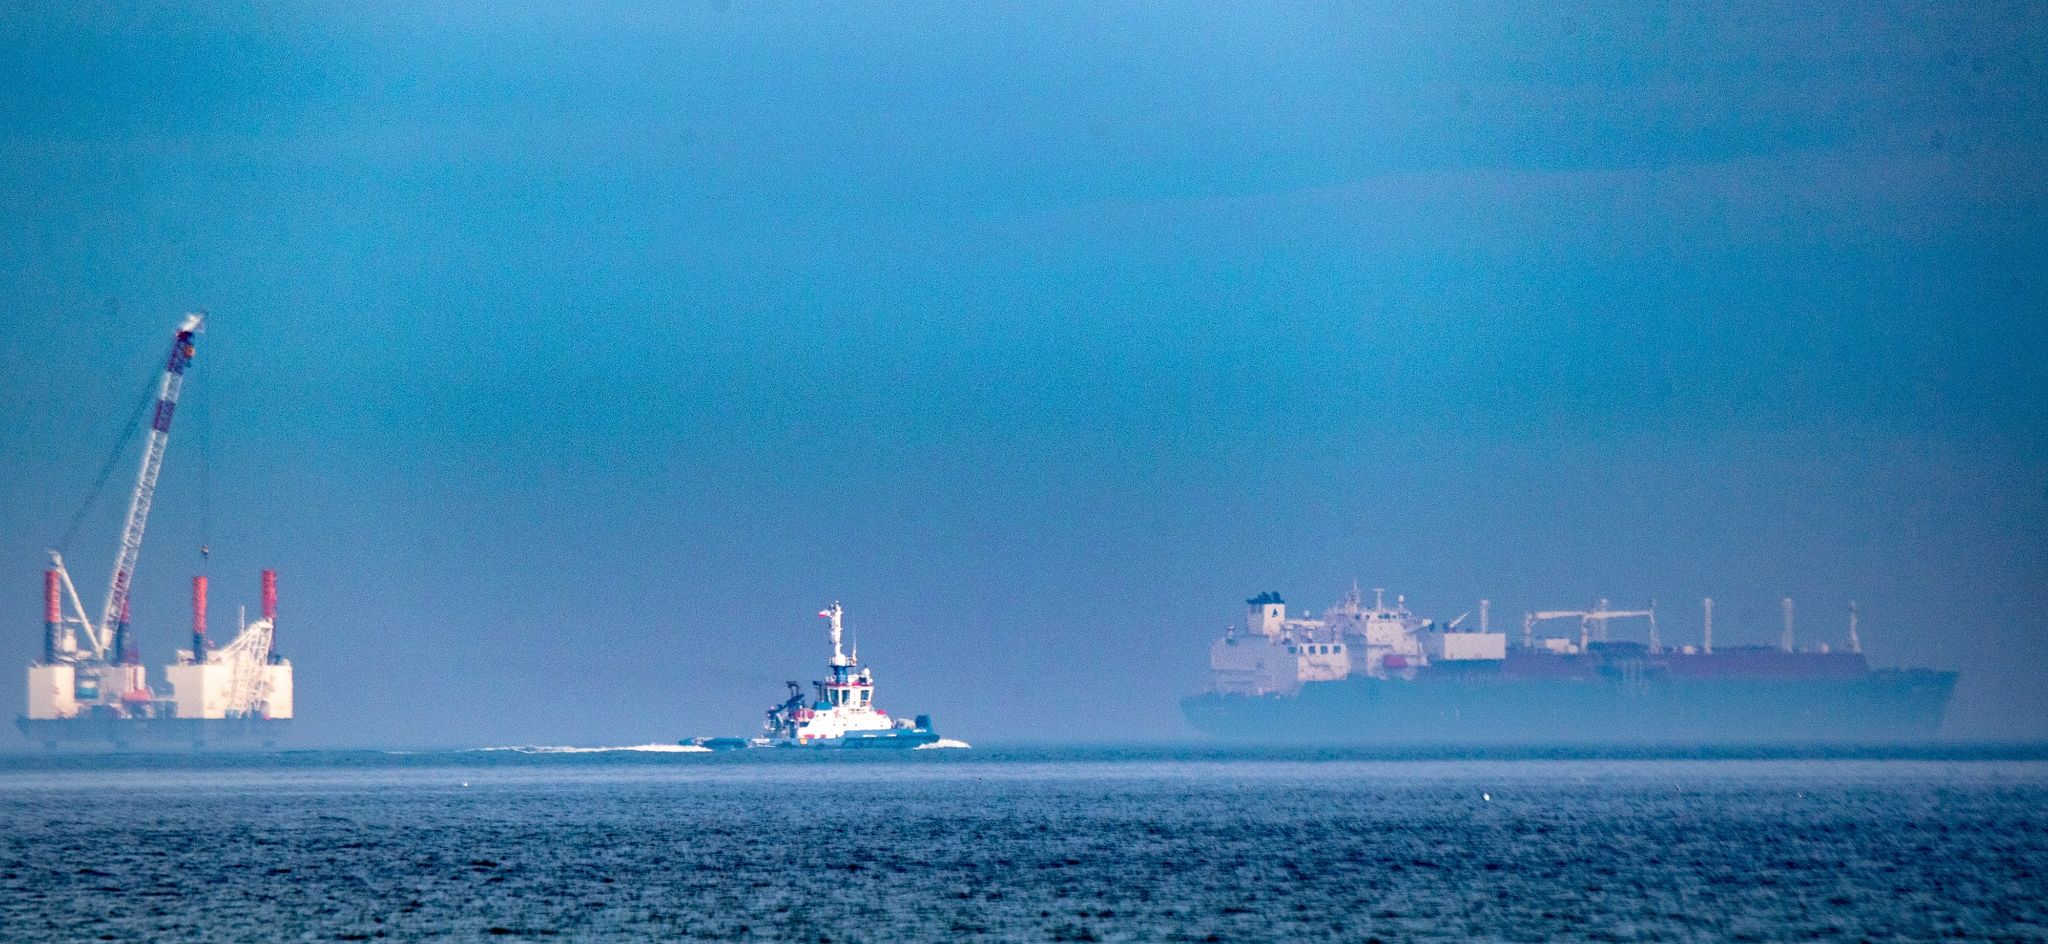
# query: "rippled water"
{"points": [[956, 845]]}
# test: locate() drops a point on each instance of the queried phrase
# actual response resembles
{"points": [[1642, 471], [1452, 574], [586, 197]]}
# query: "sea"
{"points": [[1019, 844]]}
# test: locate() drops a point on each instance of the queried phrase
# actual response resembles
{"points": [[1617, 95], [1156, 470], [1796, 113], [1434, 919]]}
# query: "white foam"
{"points": [[563, 749], [942, 743]]}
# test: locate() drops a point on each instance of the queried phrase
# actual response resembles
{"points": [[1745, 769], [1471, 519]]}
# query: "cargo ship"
{"points": [[90, 685], [1379, 674], [842, 715]]}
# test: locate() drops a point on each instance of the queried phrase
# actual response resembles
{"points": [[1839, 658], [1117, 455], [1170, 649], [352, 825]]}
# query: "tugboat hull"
{"points": [[892, 739], [897, 739]]}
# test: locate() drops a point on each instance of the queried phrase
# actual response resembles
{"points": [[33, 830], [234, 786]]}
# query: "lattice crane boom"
{"points": [[115, 613]]}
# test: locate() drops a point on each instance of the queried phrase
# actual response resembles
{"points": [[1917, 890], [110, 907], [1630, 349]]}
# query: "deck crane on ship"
{"points": [[1592, 623]]}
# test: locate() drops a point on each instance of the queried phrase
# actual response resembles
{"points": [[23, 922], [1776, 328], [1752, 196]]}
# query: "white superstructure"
{"points": [[845, 701], [1275, 654], [239, 680]]}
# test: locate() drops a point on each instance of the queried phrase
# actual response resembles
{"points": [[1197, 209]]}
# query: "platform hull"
{"points": [[1878, 708], [135, 732]]}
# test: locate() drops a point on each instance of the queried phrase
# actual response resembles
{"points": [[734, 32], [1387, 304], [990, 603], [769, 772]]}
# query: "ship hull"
{"points": [[896, 739], [1878, 708], [134, 732]]}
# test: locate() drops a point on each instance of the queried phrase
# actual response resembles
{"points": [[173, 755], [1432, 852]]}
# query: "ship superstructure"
{"points": [[1275, 653], [842, 711], [1380, 673], [91, 685]]}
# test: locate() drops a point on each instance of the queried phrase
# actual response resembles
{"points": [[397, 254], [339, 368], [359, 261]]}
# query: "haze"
{"points": [[564, 361]]}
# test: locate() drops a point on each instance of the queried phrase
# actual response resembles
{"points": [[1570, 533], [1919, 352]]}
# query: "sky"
{"points": [[565, 360]]}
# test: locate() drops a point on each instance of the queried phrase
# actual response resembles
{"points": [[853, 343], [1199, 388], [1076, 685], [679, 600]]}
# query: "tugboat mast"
{"points": [[836, 615]]}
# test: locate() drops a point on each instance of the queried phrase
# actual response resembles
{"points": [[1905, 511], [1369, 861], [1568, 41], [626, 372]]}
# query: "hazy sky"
{"points": [[564, 362]]}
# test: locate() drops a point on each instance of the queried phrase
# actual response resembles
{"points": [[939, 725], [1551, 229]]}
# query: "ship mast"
{"points": [[836, 615]]}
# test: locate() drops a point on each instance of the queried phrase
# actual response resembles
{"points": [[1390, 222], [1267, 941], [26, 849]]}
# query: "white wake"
{"points": [[563, 749], [942, 743]]}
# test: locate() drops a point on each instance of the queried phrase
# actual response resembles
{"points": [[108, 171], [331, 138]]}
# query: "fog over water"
{"points": [[565, 362]]}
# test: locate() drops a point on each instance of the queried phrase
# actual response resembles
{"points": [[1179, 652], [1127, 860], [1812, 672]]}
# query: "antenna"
{"points": [[1484, 606], [1855, 641], [1707, 624], [1785, 642]]}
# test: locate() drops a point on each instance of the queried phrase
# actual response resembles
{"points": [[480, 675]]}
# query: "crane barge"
{"points": [[90, 684]]}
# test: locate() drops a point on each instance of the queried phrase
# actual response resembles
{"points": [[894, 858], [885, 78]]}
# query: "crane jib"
{"points": [[114, 616], [181, 356]]}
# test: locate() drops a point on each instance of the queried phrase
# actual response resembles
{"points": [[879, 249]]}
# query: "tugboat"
{"points": [[842, 715]]}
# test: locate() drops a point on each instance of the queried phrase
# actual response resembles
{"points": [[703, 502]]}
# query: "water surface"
{"points": [[1109, 845]]}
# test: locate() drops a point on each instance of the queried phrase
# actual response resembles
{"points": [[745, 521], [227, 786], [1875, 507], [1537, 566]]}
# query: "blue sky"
{"points": [[566, 361]]}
